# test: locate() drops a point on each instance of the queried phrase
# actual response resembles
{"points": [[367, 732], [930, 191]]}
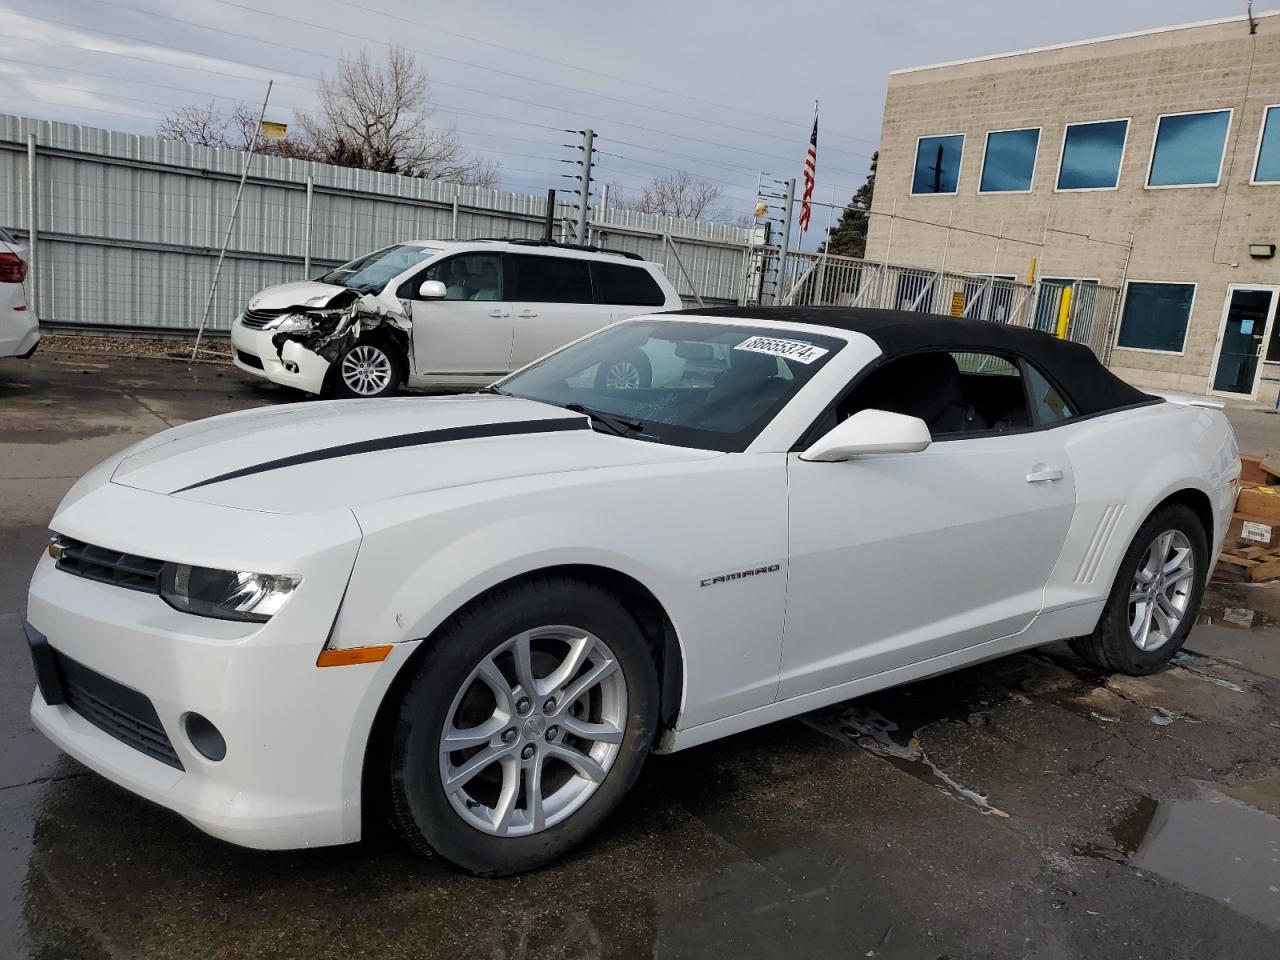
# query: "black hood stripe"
{"points": [[421, 438]]}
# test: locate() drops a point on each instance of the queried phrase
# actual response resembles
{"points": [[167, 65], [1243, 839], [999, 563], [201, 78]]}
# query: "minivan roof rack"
{"points": [[585, 247]]}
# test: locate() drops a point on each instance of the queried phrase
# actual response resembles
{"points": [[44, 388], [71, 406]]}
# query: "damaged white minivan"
{"points": [[437, 314]]}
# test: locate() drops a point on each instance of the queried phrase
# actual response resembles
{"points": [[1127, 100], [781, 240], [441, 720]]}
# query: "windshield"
{"points": [[370, 273], [707, 385]]}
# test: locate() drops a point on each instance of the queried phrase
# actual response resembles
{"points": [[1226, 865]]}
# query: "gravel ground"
{"points": [[178, 348]]}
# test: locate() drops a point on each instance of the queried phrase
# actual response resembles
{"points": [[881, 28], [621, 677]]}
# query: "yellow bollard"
{"points": [[1064, 313]]}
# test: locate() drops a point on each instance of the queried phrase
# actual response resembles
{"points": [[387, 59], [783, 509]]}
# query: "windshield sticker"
{"points": [[796, 350]]}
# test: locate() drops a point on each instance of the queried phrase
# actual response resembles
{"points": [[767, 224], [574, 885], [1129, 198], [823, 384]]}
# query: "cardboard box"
{"points": [[1260, 503]]}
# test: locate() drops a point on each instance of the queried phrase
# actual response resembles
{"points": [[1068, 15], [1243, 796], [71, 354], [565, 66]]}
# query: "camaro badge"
{"points": [[740, 575]]}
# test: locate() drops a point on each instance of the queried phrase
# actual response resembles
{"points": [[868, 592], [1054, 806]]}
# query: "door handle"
{"points": [[526, 314], [1044, 475], [497, 314]]}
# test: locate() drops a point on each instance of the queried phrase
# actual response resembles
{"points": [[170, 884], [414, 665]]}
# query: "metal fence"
{"points": [[128, 227], [1088, 317]]}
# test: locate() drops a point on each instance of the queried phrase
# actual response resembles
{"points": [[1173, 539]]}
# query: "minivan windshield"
{"points": [[709, 385], [370, 273]]}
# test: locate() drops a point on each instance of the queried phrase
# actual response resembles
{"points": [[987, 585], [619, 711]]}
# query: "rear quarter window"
{"points": [[626, 285]]}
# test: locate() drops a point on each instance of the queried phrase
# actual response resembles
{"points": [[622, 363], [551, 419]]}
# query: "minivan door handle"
{"points": [[498, 314], [1043, 474], [526, 314]]}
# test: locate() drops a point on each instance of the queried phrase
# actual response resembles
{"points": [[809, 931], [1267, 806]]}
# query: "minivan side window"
{"points": [[622, 284], [549, 279], [468, 276]]}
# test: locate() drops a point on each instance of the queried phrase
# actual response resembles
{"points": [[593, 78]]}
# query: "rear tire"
{"points": [[373, 366], [1156, 596], [496, 781]]}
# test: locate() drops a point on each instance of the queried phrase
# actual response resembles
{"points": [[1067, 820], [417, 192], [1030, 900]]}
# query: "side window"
{"points": [[550, 279], [621, 284], [468, 276], [953, 392], [1047, 405]]}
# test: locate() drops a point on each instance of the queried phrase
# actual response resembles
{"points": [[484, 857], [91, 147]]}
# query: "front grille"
{"points": [[257, 319], [115, 709], [249, 360], [110, 566]]}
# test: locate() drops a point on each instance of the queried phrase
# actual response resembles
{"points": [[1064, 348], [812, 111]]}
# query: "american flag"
{"points": [[810, 172]]}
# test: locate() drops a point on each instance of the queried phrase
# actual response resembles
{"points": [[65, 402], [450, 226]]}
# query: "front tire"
{"points": [[373, 366], [632, 372], [525, 724], [1155, 598]]}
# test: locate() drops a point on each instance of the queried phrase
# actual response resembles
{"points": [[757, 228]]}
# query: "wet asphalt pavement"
{"points": [[1022, 808]]}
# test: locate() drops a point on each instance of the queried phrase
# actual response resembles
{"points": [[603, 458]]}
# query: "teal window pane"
{"points": [[937, 164], [1091, 155], [1010, 160], [1268, 169], [1189, 149], [1156, 316]]}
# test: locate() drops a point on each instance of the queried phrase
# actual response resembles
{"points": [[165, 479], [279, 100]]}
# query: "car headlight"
{"points": [[224, 594], [290, 323]]}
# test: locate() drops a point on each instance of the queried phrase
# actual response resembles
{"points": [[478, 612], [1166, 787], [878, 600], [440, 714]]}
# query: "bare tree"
{"points": [[678, 194], [202, 124], [374, 116]]}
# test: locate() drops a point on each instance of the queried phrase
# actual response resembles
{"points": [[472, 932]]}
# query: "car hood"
{"points": [[296, 294], [324, 455]]}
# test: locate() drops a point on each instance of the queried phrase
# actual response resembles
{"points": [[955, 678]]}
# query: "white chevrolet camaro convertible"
{"points": [[475, 616]]}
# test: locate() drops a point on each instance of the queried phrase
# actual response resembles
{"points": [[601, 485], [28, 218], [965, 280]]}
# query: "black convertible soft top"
{"points": [[1090, 386]]}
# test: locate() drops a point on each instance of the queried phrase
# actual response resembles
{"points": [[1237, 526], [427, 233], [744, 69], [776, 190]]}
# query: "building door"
{"points": [[1248, 317]]}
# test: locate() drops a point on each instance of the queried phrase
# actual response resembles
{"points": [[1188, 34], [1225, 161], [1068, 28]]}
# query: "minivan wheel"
{"points": [[370, 367], [1155, 598], [631, 372], [524, 725]]}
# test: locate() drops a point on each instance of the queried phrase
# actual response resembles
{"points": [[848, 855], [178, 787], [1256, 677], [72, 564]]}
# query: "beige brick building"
{"points": [[1164, 139]]}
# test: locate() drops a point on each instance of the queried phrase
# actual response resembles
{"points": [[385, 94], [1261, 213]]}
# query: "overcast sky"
{"points": [[721, 88]]}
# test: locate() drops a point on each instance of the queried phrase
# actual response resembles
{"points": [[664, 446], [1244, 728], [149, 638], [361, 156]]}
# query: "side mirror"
{"points": [[871, 431], [432, 290]]}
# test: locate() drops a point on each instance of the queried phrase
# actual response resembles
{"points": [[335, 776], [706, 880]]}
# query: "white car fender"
{"points": [[412, 576], [1113, 501]]}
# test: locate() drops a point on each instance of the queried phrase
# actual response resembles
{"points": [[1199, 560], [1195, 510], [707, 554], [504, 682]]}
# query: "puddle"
{"points": [[897, 741], [1238, 606], [1212, 845]]}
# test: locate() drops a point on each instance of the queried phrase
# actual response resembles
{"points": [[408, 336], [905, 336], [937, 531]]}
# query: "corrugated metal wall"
{"points": [[129, 226]]}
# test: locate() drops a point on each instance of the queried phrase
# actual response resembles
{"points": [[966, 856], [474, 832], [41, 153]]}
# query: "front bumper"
{"points": [[295, 733], [294, 366]]}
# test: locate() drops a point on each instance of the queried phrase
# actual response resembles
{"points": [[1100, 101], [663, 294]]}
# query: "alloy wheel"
{"points": [[366, 370], [623, 375], [1161, 591], [533, 731]]}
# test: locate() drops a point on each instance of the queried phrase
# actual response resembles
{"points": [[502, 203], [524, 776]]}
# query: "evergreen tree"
{"points": [[848, 238]]}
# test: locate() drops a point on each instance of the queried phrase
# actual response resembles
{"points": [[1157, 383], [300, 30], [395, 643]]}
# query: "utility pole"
{"points": [[549, 221], [788, 202], [584, 185]]}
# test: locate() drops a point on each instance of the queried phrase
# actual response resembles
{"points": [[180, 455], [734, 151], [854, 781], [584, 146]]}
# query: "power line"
{"points": [[436, 28], [490, 93]]}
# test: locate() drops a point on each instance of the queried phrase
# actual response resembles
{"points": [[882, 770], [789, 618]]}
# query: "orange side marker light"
{"points": [[353, 655]]}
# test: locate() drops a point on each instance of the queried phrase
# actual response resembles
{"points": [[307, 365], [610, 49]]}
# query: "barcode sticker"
{"points": [[796, 350], [1250, 530]]}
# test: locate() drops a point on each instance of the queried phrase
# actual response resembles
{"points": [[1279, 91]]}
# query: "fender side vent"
{"points": [[1106, 528]]}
